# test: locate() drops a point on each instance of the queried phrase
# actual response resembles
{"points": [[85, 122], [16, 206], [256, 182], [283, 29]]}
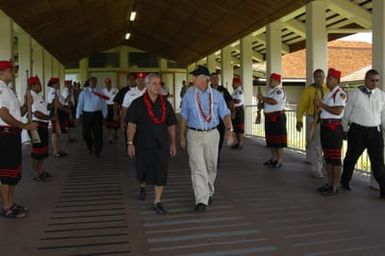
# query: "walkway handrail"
{"points": [[297, 140]]}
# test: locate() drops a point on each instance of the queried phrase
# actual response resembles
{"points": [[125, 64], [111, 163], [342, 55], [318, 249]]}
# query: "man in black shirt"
{"points": [[119, 97], [214, 82]]}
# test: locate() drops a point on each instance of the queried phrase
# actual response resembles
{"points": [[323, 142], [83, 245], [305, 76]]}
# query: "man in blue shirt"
{"points": [[202, 109], [92, 107]]}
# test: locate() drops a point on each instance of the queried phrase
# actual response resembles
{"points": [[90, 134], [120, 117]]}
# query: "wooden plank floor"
{"points": [[90, 208]]}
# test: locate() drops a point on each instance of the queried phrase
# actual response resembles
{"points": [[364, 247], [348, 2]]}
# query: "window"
{"points": [[143, 60], [104, 60]]}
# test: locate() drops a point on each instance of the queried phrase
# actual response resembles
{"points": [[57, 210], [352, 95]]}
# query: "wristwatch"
{"points": [[130, 142], [229, 129]]}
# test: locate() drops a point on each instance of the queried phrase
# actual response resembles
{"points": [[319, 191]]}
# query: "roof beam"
{"points": [[296, 26], [256, 55], [347, 30], [294, 14], [351, 11], [261, 39]]}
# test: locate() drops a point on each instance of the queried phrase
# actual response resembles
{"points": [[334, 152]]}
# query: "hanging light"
{"points": [[132, 16], [127, 36]]}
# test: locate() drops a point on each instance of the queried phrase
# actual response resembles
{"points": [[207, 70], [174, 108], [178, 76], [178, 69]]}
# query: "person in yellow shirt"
{"points": [[306, 105]]}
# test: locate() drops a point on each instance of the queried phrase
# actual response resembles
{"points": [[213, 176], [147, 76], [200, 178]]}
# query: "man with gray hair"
{"points": [[202, 108], [151, 137]]}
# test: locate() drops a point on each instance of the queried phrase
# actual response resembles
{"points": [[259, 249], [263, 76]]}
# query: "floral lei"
{"points": [[149, 108], [207, 117]]}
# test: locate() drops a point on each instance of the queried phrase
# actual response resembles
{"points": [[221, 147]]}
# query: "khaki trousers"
{"points": [[202, 149], [314, 152]]}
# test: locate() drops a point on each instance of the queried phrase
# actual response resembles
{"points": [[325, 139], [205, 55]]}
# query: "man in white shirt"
{"points": [[130, 96], [275, 120], [10, 142], [239, 113], [56, 101], [112, 122], [332, 109], [364, 117], [67, 114], [40, 116]]}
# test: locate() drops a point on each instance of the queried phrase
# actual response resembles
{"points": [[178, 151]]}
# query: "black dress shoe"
{"points": [[346, 185], [200, 207], [142, 193], [269, 162], [158, 207]]}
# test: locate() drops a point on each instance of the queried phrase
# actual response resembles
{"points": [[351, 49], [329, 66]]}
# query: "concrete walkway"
{"points": [[90, 208]]}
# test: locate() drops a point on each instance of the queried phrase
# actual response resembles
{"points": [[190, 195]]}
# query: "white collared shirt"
{"points": [[51, 95], [365, 110], [279, 95], [335, 98], [238, 97], [110, 94], [131, 95], [39, 105], [9, 101]]}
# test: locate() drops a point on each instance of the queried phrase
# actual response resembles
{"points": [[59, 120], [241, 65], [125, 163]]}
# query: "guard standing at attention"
{"points": [[275, 120], [332, 109], [10, 142]]}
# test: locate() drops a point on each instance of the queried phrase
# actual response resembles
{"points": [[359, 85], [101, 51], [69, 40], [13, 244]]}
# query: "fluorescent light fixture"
{"points": [[132, 16], [127, 36]]}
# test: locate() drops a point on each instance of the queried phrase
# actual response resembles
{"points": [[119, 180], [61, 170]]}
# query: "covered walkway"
{"points": [[90, 208]]}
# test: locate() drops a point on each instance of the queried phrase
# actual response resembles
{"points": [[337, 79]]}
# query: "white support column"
{"points": [[25, 62], [316, 43], [55, 71], [379, 38], [60, 73], [83, 70], [47, 66], [55, 67], [124, 57], [226, 67], [211, 65], [38, 62], [162, 64], [6, 37], [247, 78], [378, 49], [190, 68], [273, 47], [316, 38]]}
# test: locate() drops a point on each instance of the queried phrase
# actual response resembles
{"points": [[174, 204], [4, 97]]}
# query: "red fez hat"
{"points": [[276, 77], [334, 73], [236, 80], [54, 80], [33, 80], [107, 80], [140, 75], [5, 64]]}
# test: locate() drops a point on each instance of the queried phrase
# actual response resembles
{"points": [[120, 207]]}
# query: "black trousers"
{"points": [[221, 130], [93, 130], [359, 139]]}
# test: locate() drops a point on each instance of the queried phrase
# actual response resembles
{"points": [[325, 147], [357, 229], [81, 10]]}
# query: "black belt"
{"points": [[365, 127], [9, 130], [203, 130], [330, 121]]}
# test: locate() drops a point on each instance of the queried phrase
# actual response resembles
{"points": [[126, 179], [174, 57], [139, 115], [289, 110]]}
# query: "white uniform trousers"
{"points": [[314, 152], [203, 155]]}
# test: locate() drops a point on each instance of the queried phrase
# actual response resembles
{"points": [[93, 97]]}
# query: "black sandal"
{"points": [[12, 214]]}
